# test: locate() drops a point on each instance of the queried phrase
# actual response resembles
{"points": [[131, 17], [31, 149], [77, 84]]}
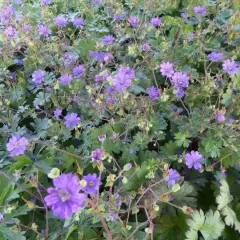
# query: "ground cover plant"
{"points": [[119, 119]]}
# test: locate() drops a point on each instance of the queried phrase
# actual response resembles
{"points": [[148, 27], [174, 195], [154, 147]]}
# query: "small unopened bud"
{"points": [[187, 210], [127, 167]]}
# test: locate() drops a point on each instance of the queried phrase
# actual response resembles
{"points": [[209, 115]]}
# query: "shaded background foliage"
{"points": [[152, 135]]}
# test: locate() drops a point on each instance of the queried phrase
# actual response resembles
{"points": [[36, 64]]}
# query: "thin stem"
{"points": [[19, 185], [46, 210], [104, 224], [24, 226], [59, 233], [136, 229], [71, 154], [185, 107]]}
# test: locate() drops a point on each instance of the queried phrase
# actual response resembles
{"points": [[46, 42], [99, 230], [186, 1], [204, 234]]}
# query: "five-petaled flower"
{"points": [[17, 145], [171, 177], [194, 160], [64, 198], [71, 120], [230, 67], [91, 183]]}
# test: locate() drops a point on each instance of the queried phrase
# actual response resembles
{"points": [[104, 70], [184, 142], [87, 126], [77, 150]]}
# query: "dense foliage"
{"points": [[119, 119]]}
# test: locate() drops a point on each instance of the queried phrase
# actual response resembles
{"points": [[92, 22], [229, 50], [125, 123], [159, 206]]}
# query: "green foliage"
{"points": [[223, 200], [134, 139], [210, 225], [6, 188], [9, 235], [182, 139]]}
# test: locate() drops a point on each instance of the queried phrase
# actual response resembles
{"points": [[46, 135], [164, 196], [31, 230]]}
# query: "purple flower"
{"points": [[71, 120], [10, 32], [134, 21], [27, 28], [220, 117], [78, 22], [102, 137], [44, 30], [110, 101], [127, 167], [180, 80], [57, 113], [19, 17], [97, 155], [156, 21], [61, 21], [108, 39], [19, 62], [101, 56], [107, 57], [166, 68], [17, 145], [132, 150], [18, 2], [146, 47], [191, 36], [194, 159], [97, 2], [118, 17], [92, 183], [38, 77], [230, 67], [111, 91], [66, 79], [79, 71], [123, 78], [215, 56], [46, 2], [6, 14], [180, 93], [1, 216], [112, 217], [200, 10], [69, 59], [184, 15], [153, 93], [64, 198], [14, 76], [230, 122], [98, 78], [171, 177]]}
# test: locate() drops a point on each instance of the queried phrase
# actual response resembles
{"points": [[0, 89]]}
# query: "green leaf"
{"points": [[229, 158], [22, 210], [8, 235], [185, 196], [170, 228], [6, 188], [211, 146], [170, 148], [41, 99], [20, 162], [210, 225], [223, 200], [41, 126], [182, 139], [213, 226], [135, 176]]}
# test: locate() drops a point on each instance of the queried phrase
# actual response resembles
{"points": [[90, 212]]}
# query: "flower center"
{"points": [[64, 195], [17, 144], [91, 184]]}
